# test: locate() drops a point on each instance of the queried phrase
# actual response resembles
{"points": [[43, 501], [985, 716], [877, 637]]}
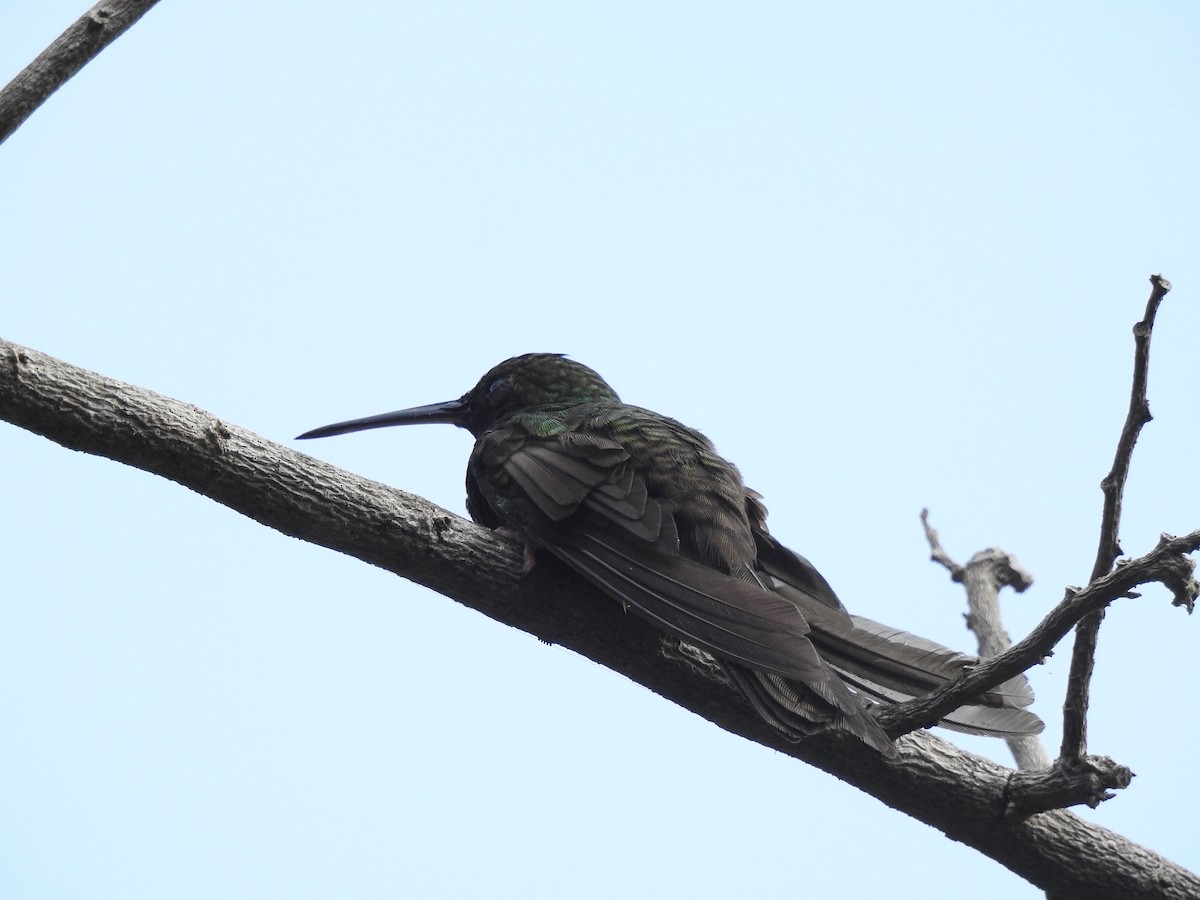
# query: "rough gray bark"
{"points": [[964, 796], [70, 52]]}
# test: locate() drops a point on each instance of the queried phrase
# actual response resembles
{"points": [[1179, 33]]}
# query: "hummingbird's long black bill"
{"points": [[449, 413]]}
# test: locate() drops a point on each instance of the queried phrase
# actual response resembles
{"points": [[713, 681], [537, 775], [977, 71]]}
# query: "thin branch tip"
{"points": [[936, 553]]}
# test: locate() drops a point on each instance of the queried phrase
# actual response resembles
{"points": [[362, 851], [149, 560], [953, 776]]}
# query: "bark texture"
{"points": [[70, 52]]}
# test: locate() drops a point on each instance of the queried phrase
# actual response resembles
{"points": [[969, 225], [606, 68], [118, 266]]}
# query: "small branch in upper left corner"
{"points": [[71, 51]]}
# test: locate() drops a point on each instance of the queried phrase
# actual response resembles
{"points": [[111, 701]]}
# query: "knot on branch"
{"points": [[1177, 570], [701, 662], [98, 18], [1000, 568], [1089, 780]]}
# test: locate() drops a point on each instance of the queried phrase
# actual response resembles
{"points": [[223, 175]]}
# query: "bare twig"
{"points": [[936, 553], [983, 576], [1167, 564], [70, 52], [1083, 655]]}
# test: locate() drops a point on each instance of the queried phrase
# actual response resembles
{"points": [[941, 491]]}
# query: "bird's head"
{"points": [[532, 381]]}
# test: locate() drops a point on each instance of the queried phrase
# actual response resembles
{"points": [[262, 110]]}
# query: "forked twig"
{"points": [[1083, 655], [1169, 564]]}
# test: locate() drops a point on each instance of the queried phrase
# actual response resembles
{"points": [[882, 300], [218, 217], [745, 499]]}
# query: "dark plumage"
{"points": [[643, 507]]}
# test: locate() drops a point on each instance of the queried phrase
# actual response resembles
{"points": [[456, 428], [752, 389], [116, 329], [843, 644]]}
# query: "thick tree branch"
{"points": [[70, 52], [965, 796], [1083, 654]]}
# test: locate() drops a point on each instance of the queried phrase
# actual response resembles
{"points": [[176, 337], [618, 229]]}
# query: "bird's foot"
{"points": [[513, 535]]}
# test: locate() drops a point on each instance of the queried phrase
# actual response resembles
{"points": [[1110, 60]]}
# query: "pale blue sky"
{"points": [[886, 256]]}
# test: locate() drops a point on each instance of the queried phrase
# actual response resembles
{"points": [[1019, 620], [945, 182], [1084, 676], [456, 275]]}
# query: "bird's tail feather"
{"points": [[904, 662], [988, 721], [886, 665], [799, 710]]}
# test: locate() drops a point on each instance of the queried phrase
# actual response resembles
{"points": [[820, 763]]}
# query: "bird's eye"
{"points": [[498, 384]]}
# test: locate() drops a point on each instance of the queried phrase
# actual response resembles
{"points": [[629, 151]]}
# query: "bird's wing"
{"points": [[794, 574], [593, 509], [581, 497], [797, 577]]}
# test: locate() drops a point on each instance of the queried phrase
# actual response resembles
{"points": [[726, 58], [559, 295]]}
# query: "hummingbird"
{"points": [[645, 509]]}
